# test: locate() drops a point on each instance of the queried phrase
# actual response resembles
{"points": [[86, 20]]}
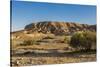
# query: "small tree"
{"points": [[83, 40]]}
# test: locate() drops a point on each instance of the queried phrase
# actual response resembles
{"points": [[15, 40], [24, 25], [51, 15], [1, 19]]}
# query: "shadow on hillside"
{"points": [[55, 54]]}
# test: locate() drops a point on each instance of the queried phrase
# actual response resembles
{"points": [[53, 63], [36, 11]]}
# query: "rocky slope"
{"points": [[58, 28]]}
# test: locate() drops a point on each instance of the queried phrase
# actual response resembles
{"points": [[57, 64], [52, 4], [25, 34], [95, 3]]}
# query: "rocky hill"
{"points": [[58, 28]]}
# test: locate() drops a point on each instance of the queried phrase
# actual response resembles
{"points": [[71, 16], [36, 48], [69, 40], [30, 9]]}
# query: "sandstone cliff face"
{"points": [[58, 28]]}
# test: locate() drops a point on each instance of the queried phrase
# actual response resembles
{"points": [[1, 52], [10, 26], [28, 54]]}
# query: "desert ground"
{"points": [[49, 49]]}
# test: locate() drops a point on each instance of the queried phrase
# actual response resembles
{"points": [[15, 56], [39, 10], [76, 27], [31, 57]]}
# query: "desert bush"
{"points": [[66, 39], [29, 42], [84, 40]]}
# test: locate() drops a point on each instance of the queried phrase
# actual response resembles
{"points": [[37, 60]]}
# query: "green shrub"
{"points": [[84, 40], [29, 42], [66, 39]]}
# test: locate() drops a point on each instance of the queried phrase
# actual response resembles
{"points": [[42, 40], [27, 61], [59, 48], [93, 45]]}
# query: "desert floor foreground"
{"points": [[48, 51]]}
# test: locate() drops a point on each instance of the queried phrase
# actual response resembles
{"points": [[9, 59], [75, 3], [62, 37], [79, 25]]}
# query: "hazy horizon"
{"points": [[24, 13]]}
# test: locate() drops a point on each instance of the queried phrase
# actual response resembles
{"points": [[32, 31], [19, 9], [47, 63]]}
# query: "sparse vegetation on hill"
{"points": [[29, 42]]}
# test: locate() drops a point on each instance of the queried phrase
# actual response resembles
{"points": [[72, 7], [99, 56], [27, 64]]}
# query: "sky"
{"points": [[23, 13]]}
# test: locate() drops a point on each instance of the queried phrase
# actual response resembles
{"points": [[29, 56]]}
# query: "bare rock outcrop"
{"points": [[58, 28]]}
